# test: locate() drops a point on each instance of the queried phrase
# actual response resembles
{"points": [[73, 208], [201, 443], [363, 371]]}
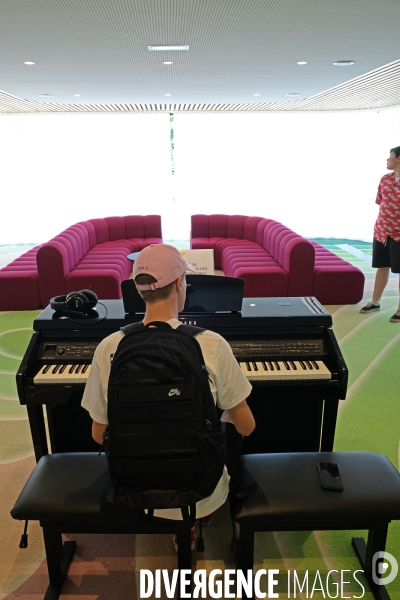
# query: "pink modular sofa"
{"points": [[275, 261], [91, 254]]}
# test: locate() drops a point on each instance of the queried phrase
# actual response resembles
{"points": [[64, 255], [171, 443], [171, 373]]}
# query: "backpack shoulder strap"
{"points": [[132, 327], [191, 329]]}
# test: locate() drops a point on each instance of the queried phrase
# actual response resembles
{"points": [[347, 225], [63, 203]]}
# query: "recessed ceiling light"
{"points": [[256, 94], [77, 95], [343, 63], [167, 94], [167, 62], [28, 62], [46, 95], [292, 95], [302, 62], [156, 48]]}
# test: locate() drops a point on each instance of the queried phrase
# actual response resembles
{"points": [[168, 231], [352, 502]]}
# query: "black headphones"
{"points": [[75, 304]]}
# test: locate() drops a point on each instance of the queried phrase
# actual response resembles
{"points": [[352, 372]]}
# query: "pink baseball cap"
{"points": [[161, 261]]}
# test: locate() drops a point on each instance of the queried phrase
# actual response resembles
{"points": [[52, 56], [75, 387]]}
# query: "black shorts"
{"points": [[386, 255]]}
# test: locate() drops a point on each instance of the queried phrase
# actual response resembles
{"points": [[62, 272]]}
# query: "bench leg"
{"points": [[365, 553], [184, 555], [329, 425], [38, 430], [58, 556], [246, 552]]}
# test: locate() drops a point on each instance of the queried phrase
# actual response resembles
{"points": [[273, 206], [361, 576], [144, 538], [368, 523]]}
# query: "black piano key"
{"points": [[85, 368], [315, 364], [55, 369], [255, 368], [271, 366], [309, 365], [71, 369], [286, 365], [292, 364], [63, 369], [264, 366], [78, 368], [277, 365], [46, 369], [303, 366]]}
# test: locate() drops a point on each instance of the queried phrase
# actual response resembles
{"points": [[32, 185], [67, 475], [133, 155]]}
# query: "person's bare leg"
{"points": [[381, 279]]}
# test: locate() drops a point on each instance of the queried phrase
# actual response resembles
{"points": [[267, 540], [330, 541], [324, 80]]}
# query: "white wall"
{"points": [[316, 172], [58, 169]]}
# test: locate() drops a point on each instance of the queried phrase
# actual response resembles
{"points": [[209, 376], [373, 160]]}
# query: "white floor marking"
{"points": [[356, 252], [373, 364], [3, 351], [367, 320]]}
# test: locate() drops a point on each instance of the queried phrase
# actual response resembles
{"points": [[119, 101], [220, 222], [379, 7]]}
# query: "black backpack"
{"points": [[164, 442]]}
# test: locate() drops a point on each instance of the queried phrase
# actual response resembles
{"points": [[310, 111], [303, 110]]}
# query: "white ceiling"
{"points": [[98, 49]]}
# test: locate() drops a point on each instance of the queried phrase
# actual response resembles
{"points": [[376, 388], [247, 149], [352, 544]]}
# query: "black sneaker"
{"points": [[370, 307], [395, 318]]}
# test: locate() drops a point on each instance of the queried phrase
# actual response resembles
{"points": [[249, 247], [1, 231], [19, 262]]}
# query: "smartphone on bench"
{"points": [[329, 474]]}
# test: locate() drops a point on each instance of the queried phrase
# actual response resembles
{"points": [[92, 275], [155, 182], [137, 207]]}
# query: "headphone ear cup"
{"points": [[74, 304], [81, 301], [58, 303], [75, 301], [91, 297]]}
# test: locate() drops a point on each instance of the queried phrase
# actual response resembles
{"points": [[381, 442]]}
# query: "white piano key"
{"points": [[69, 375], [293, 370]]}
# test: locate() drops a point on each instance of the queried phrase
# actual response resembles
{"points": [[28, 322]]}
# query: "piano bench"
{"points": [[73, 493], [288, 497]]}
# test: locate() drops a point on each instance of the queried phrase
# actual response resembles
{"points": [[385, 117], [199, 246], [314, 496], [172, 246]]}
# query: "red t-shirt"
{"points": [[388, 198]]}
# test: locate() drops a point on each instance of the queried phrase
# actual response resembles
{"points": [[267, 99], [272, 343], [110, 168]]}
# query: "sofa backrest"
{"points": [[58, 257], [129, 227], [225, 226], [294, 254]]}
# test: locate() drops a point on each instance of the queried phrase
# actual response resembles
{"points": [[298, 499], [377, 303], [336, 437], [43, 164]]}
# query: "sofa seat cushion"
{"points": [[19, 285], [141, 243], [250, 261], [103, 269], [224, 245], [204, 243], [19, 289], [104, 282], [336, 281], [126, 245], [249, 254], [338, 284], [115, 265], [262, 281]]}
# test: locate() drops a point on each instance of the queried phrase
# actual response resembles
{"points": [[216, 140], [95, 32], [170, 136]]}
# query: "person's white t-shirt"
{"points": [[228, 384]]}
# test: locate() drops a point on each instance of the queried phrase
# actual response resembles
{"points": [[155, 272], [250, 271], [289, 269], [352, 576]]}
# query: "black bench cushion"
{"points": [[70, 486], [288, 492]]}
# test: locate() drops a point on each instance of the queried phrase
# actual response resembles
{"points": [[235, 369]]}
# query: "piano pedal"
{"points": [[23, 543]]}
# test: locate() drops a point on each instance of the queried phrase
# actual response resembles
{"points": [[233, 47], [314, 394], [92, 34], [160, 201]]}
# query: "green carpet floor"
{"points": [[369, 420]]}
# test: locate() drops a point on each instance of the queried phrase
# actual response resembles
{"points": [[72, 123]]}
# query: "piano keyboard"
{"points": [[288, 370], [63, 373]]}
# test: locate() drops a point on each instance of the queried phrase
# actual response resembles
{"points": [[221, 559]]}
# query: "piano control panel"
{"points": [[250, 348], [63, 350]]}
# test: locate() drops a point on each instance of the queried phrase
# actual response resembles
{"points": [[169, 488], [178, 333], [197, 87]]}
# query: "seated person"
{"points": [[159, 275]]}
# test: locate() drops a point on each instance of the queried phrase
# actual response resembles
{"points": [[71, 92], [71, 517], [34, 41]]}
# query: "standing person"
{"points": [[159, 275], [386, 244]]}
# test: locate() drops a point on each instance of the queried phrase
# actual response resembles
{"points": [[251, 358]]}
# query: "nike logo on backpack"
{"points": [[174, 392]]}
